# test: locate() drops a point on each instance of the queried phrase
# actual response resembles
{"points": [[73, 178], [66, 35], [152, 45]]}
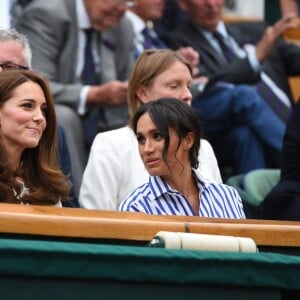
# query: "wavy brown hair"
{"points": [[38, 166]]}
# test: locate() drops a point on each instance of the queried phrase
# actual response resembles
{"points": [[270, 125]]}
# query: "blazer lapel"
{"points": [[212, 58]]}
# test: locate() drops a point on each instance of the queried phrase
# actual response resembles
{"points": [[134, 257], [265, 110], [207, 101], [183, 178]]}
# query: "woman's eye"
{"points": [[157, 136], [140, 139], [27, 105]]}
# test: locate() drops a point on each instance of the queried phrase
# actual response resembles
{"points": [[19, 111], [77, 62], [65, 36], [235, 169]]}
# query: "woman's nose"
{"points": [[38, 115], [187, 95], [148, 146]]}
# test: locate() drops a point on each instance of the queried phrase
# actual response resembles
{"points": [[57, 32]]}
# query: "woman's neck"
{"points": [[186, 184], [14, 157]]}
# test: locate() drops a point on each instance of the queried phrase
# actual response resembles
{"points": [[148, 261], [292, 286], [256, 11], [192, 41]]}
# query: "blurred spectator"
{"points": [[290, 7], [246, 52]]}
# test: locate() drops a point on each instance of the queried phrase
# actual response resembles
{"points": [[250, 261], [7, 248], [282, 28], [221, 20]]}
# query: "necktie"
{"points": [[89, 76], [281, 110], [228, 53], [151, 40], [265, 91]]}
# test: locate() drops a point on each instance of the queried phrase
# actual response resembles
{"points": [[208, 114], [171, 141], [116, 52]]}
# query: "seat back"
{"points": [[253, 187], [259, 183]]}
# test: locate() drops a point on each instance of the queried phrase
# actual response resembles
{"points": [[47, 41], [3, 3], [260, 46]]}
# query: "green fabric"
{"points": [[82, 261], [62, 289], [260, 182], [237, 181], [255, 185]]}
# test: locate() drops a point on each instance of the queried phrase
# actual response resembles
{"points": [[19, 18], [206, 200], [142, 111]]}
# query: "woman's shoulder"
{"points": [[137, 196], [114, 137]]}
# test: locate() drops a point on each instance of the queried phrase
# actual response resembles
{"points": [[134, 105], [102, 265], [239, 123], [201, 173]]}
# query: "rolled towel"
{"points": [[247, 244], [195, 241]]}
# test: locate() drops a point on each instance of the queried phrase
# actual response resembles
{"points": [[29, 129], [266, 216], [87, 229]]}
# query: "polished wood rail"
{"points": [[96, 224]]}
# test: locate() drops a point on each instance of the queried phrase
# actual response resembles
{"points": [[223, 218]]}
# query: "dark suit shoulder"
{"points": [[251, 31], [182, 35]]}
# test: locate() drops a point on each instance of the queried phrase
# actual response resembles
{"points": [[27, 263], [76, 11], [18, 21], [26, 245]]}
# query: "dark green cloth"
{"points": [[77, 261]]}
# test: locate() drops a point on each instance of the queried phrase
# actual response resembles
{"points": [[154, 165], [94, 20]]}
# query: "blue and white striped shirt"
{"points": [[156, 197]]}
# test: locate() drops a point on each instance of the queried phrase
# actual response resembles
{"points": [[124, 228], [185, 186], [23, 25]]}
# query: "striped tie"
{"points": [[151, 40], [89, 75], [265, 91], [281, 110], [228, 53]]}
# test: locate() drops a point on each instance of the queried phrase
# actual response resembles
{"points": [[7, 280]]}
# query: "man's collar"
{"points": [[137, 22], [82, 16]]}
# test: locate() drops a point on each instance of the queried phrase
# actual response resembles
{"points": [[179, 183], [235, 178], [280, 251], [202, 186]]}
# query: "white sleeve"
{"points": [[208, 164], [99, 188]]}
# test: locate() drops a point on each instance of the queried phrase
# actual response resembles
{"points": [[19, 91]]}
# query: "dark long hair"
{"points": [[168, 113]]}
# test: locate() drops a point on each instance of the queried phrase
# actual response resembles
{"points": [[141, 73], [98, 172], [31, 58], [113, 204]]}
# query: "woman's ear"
{"points": [[189, 141], [142, 94]]}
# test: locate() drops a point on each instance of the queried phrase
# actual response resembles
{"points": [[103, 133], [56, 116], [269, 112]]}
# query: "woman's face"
{"points": [[151, 145], [22, 118], [174, 82]]}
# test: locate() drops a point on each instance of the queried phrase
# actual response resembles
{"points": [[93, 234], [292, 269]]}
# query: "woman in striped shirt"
{"points": [[168, 132]]}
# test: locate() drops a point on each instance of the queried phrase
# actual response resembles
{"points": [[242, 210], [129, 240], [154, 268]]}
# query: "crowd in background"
{"points": [[237, 82]]}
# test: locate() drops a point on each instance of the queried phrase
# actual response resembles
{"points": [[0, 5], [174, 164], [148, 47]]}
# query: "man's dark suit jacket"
{"points": [[283, 202], [284, 61], [65, 164]]}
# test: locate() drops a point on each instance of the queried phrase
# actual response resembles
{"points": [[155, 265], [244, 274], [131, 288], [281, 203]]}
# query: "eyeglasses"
{"points": [[12, 66]]}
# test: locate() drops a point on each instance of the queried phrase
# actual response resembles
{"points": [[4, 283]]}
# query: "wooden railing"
{"points": [[136, 227]]}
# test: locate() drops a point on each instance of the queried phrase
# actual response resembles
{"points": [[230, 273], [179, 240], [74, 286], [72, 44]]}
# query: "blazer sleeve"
{"points": [[100, 182], [53, 37]]}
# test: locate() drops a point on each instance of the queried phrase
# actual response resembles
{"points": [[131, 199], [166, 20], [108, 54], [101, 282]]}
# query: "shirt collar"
{"points": [[137, 22], [221, 28], [159, 187], [82, 16]]}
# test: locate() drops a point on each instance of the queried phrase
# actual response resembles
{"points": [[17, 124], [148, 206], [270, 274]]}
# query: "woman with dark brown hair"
{"points": [[29, 171]]}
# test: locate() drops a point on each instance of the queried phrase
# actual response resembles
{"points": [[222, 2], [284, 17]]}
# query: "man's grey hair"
{"points": [[14, 35]]}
